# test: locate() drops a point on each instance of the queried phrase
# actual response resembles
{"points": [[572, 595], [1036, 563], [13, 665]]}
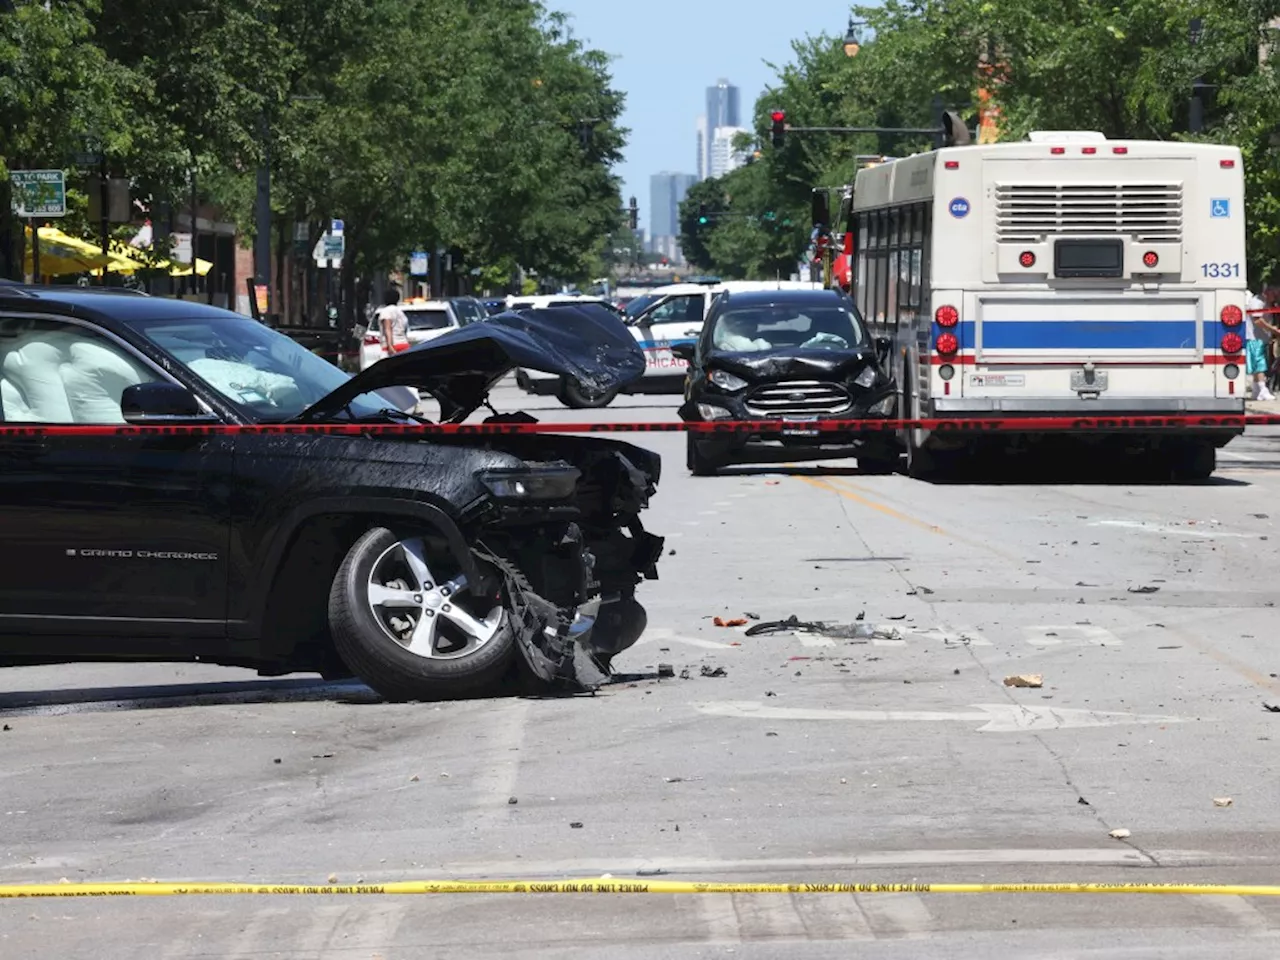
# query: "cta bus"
{"points": [[1067, 275]]}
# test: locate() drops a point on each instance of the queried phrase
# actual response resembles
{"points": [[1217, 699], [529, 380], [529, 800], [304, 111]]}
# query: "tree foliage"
{"points": [[1126, 70], [442, 124]]}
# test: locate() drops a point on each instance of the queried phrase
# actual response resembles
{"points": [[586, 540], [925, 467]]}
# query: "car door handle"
{"points": [[691, 333]]}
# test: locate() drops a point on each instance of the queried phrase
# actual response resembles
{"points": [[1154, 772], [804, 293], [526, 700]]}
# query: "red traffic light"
{"points": [[779, 131], [778, 116]]}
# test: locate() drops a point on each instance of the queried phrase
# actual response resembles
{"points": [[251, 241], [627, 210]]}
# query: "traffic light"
{"points": [[779, 118], [633, 215], [702, 214]]}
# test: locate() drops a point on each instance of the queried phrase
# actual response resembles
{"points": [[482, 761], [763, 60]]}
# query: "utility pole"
{"points": [[262, 214]]}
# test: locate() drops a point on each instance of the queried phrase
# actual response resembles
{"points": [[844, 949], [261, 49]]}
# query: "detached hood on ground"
{"points": [[587, 343], [793, 363]]}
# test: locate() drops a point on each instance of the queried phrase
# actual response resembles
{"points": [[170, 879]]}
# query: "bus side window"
{"points": [[926, 299]]}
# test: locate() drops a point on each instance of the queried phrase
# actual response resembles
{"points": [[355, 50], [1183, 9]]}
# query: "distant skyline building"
{"points": [[725, 157], [666, 190], [723, 102]]}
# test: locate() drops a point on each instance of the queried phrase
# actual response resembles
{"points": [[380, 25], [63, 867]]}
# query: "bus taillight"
{"points": [[947, 317], [1027, 259], [1231, 343], [947, 344], [1150, 259], [1232, 316]]}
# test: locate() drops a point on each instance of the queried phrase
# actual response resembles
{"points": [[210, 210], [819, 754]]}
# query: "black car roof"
{"points": [[106, 303]]}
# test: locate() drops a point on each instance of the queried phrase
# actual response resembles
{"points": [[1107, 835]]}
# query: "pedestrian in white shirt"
{"points": [[393, 324]]}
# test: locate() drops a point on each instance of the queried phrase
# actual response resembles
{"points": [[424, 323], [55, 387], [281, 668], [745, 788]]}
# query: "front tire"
{"points": [[574, 396], [403, 619], [1195, 461], [699, 464]]}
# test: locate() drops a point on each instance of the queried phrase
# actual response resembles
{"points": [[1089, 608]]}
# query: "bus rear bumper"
{"points": [[1154, 407]]}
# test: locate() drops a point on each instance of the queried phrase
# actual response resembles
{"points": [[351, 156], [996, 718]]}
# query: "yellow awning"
{"points": [[62, 254], [174, 269]]}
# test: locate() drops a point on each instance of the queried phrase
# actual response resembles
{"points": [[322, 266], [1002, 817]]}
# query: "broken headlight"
{"points": [[709, 411], [726, 380], [867, 378], [884, 407], [551, 482]]}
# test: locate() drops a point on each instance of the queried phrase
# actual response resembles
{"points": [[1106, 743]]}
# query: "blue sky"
{"points": [[667, 52]]}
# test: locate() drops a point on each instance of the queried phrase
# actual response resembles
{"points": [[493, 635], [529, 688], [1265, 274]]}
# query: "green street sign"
{"points": [[38, 193]]}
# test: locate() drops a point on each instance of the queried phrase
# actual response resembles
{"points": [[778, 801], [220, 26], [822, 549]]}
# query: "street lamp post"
{"points": [[852, 37]]}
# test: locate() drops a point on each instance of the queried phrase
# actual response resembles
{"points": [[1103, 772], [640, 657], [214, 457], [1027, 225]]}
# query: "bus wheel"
{"points": [[921, 464], [1195, 461]]}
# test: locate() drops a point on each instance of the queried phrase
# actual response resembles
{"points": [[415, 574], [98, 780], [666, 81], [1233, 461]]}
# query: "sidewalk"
{"points": [[1262, 406]]}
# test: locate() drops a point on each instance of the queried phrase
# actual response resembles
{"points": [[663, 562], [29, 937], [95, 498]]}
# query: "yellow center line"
{"points": [[866, 502]]}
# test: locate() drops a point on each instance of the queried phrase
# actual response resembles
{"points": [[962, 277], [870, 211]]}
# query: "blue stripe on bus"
{"points": [[1085, 334]]}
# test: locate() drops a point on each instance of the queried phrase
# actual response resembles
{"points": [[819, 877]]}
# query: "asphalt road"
{"points": [[901, 757]]}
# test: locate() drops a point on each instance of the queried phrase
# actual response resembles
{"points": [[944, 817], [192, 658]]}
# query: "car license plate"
{"points": [[1088, 382]]}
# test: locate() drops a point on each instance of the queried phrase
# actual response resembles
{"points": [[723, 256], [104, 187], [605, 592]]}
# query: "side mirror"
{"points": [[883, 346], [168, 403], [683, 351]]}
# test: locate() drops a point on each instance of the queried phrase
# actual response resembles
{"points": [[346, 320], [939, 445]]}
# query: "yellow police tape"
{"points": [[153, 889]]}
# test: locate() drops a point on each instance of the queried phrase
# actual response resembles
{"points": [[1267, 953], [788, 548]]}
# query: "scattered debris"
{"points": [[415, 778], [666, 670], [7, 728], [685, 674], [322, 756], [1083, 802], [333, 878], [1025, 680], [1144, 589], [799, 658], [735, 622], [772, 483], [836, 631], [1222, 801], [862, 615], [770, 693], [681, 779], [671, 553], [1120, 834], [1260, 516], [843, 780], [751, 616], [512, 801], [277, 760], [956, 671], [1271, 707], [576, 825], [1178, 647], [902, 616], [771, 733], [710, 671], [651, 873]]}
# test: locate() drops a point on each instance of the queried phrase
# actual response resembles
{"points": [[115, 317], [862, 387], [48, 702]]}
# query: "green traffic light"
{"points": [[702, 220]]}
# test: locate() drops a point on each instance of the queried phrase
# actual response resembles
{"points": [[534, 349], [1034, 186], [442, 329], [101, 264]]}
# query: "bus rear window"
{"points": [[1088, 258]]}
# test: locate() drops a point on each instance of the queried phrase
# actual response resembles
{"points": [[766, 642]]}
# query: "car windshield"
{"points": [[266, 373], [776, 326], [428, 319]]}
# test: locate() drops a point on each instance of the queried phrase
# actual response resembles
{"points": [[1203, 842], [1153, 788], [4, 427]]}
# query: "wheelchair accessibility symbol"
{"points": [[1219, 209]]}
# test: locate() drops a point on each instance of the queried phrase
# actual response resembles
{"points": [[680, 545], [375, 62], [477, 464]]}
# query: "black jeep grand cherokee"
{"points": [[426, 565]]}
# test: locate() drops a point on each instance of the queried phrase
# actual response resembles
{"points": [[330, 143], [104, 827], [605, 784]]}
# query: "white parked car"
{"points": [[673, 315], [428, 319], [542, 301]]}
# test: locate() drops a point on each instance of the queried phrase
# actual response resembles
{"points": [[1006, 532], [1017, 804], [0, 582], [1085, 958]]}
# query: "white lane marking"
{"points": [[994, 717], [905, 914], [1240, 910], [1232, 455], [1076, 635], [692, 523], [1184, 530], [834, 917], [624, 866], [953, 636], [708, 513], [722, 503], [719, 919], [666, 635], [505, 723]]}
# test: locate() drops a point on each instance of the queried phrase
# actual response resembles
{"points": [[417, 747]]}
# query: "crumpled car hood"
{"points": [[792, 364], [588, 343]]}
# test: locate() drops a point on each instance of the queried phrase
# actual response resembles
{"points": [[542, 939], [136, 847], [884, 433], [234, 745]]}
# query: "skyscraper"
{"points": [[666, 190], [722, 111], [725, 157]]}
